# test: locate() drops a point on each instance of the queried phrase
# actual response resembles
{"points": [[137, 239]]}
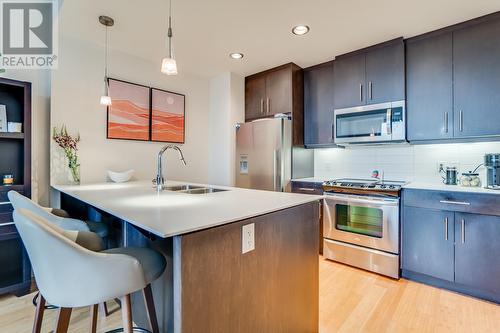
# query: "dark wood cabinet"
{"points": [[427, 244], [349, 81], [429, 84], [477, 251], [255, 96], [15, 149], [450, 240], [318, 105], [370, 76], [385, 73], [316, 188], [277, 90], [476, 69], [453, 76]]}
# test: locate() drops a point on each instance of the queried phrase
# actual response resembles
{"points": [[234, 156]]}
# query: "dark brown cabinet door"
{"points": [[318, 105], [349, 81], [279, 91], [477, 249], [476, 65], [429, 88], [385, 77], [427, 244], [255, 96]]}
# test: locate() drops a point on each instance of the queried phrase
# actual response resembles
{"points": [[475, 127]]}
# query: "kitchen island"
{"points": [[209, 284]]}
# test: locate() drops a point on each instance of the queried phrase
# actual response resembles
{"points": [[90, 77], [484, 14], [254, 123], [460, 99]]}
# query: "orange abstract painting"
{"points": [[128, 114], [168, 117]]}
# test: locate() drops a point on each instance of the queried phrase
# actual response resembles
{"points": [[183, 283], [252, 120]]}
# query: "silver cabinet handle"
{"points": [[446, 122], [306, 189], [461, 121], [361, 92], [261, 106], [370, 90], [5, 203], [268, 105], [463, 231], [460, 203], [445, 228]]}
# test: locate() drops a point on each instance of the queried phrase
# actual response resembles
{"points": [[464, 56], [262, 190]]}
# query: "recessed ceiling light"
{"points": [[300, 30], [236, 55]]}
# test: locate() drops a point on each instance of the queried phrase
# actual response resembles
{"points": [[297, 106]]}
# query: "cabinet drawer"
{"points": [[307, 188], [479, 203]]}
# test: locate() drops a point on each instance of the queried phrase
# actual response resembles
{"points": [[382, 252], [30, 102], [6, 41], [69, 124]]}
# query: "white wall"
{"points": [[417, 163], [226, 110], [40, 114], [76, 87]]}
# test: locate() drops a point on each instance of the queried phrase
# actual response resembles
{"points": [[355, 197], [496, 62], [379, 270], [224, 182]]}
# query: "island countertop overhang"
{"points": [[169, 213]]}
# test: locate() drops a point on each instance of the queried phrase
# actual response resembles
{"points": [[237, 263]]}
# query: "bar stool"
{"points": [[58, 217], [76, 277]]}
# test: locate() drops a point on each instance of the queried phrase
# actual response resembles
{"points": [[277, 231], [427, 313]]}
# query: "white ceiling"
{"points": [[206, 31]]}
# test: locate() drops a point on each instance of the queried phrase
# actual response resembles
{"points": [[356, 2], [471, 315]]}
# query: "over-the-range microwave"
{"points": [[376, 123]]}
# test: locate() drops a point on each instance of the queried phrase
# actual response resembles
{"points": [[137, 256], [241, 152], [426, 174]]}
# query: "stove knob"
{"points": [[382, 186]]}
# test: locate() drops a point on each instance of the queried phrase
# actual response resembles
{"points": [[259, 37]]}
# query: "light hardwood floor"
{"points": [[351, 300]]}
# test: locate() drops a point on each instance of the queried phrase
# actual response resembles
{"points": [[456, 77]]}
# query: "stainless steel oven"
{"points": [[385, 122], [363, 231]]}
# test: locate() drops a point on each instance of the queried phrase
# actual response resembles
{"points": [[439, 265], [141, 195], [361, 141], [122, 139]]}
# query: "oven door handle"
{"points": [[372, 201]]}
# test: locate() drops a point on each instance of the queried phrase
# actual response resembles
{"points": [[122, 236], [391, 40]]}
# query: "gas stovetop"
{"points": [[363, 186]]}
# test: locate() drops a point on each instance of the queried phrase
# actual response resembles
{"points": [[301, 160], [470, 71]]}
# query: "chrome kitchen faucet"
{"points": [[160, 181]]}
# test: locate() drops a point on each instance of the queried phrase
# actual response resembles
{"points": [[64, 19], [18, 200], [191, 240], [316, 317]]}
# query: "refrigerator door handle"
{"points": [[277, 170]]}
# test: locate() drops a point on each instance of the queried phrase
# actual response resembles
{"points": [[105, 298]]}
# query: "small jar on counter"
{"points": [[470, 179], [8, 180]]}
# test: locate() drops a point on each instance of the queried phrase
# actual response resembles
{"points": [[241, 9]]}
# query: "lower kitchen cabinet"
{"points": [[452, 240], [427, 245], [477, 251]]}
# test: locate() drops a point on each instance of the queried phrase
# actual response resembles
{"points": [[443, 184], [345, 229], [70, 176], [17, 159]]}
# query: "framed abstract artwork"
{"points": [[129, 113], [167, 116]]}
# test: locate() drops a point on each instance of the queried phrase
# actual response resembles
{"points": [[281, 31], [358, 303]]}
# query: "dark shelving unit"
{"points": [[15, 159]]}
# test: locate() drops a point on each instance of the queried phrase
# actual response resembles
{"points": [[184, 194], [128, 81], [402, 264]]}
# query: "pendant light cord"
{"points": [[106, 56], [169, 32]]}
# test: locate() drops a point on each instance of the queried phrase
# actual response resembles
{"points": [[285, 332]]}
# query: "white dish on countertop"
{"points": [[120, 177]]}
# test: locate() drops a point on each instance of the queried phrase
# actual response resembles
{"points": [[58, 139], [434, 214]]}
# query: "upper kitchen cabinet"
{"points": [[476, 66], [318, 105], [255, 96], [277, 90], [370, 76], [429, 87], [349, 81], [385, 73]]}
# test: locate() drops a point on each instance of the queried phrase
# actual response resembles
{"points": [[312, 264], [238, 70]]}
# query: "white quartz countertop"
{"points": [[309, 180], [452, 188], [169, 213]]}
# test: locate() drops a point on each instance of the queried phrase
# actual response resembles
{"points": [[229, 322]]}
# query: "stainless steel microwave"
{"points": [[376, 123]]}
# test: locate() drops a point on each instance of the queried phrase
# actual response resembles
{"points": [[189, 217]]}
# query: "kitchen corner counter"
{"points": [[449, 188], [170, 213]]}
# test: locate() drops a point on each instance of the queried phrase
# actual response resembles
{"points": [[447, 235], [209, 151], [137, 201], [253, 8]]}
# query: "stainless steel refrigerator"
{"points": [[265, 158]]}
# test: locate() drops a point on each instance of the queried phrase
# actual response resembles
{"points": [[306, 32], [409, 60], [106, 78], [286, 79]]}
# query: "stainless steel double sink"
{"points": [[192, 189]]}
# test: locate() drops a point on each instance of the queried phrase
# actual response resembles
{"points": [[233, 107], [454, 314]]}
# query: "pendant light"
{"points": [[107, 22], [168, 64]]}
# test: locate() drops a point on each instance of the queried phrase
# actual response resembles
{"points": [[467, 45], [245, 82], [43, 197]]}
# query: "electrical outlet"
{"points": [[248, 238]]}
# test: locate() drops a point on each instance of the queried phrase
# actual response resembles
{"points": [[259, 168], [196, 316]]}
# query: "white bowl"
{"points": [[120, 177]]}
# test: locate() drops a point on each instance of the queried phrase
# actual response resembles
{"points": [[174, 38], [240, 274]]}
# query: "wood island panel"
{"points": [[271, 289]]}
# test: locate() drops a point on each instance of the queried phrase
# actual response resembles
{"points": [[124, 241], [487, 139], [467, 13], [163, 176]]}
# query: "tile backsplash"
{"points": [[408, 162]]}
